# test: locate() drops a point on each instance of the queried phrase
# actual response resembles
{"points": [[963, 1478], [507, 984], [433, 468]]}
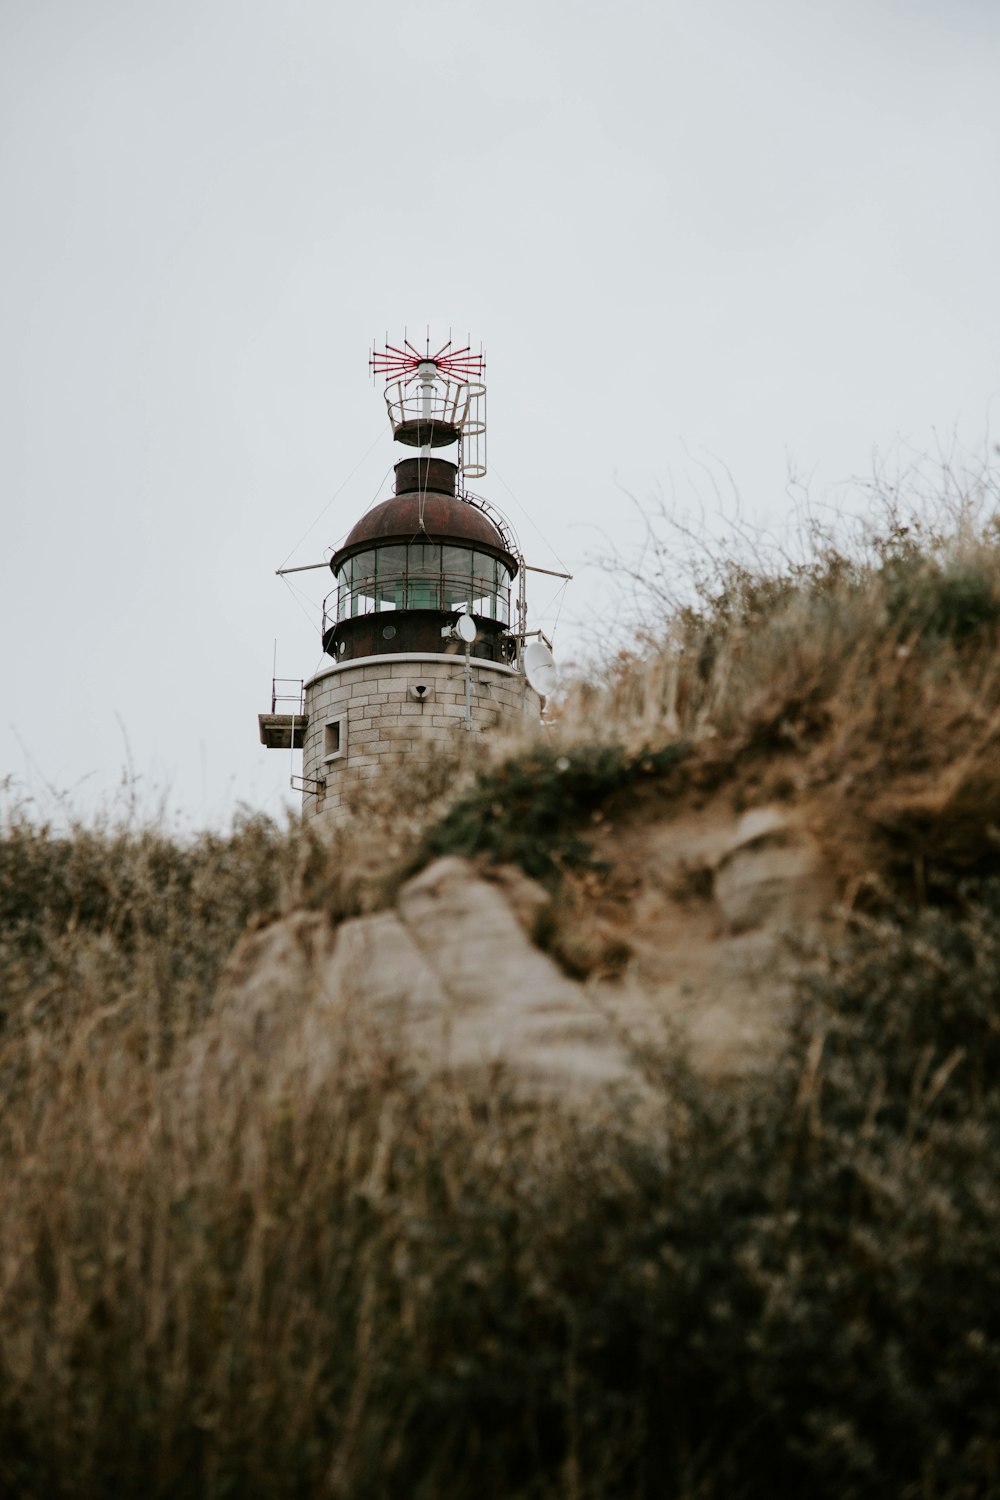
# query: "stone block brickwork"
{"points": [[380, 721]]}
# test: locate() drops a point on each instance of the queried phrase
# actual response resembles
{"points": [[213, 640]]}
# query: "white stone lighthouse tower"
{"points": [[426, 642]]}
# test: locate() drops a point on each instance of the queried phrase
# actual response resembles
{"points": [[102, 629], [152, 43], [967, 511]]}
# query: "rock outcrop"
{"points": [[451, 980]]}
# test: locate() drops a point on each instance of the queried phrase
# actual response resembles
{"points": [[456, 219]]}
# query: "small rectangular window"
{"points": [[334, 739]]}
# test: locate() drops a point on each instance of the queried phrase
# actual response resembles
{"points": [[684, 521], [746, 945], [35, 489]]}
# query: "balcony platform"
{"points": [[282, 731]]}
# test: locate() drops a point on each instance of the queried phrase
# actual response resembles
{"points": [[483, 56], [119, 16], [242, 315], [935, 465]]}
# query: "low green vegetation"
{"points": [[132, 917], [530, 810]]}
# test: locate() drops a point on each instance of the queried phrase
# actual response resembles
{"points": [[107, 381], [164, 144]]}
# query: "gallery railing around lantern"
{"points": [[397, 577]]}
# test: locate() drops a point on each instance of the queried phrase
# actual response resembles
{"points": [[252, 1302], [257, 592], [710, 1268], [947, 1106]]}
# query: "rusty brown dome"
{"points": [[441, 518]]}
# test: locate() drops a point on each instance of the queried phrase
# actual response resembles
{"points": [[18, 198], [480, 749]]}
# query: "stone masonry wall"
{"points": [[382, 721]]}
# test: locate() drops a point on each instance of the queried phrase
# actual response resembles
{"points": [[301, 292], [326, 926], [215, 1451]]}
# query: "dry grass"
{"points": [[223, 1276], [280, 1266], [869, 676]]}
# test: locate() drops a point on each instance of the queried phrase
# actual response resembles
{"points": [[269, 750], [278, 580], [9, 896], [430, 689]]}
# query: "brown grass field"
{"points": [[218, 1282]]}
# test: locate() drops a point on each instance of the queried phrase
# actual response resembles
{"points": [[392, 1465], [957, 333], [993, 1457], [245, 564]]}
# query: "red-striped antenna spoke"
{"points": [[402, 364]]}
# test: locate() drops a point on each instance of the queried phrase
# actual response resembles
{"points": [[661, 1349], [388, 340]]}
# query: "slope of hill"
{"points": [[620, 1119]]}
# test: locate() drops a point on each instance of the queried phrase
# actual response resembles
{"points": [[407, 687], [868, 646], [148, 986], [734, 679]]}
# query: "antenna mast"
{"points": [[436, 399]]}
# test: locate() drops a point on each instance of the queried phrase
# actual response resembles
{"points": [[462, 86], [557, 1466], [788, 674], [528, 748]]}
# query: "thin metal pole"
{"points": [[426, 391], [468, 686]]}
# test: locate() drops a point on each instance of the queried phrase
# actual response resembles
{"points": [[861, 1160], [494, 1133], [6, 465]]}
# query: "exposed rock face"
{"points": [[451, 980], [770, 875], [721, 905], [462, 986]]}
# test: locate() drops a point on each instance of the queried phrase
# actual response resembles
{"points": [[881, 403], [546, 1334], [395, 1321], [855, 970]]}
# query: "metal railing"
{"points": [[438, 412], [442, 403], [298, 697], [494, 514], [442, 591], [314, 785]]}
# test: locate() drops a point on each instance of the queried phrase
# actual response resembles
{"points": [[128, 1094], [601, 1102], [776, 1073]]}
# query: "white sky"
{"points": [[756, 230]]}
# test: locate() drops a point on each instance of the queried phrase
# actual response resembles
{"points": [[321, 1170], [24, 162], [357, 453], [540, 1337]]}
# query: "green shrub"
{"points": [[950, 600], [131, 914], [529, 810]]}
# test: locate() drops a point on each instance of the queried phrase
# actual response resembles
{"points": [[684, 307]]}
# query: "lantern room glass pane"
{"points": [[362, 566], [424, 558], [457, 570], [342, 579], [363, 584], [423, 593], [390, 590], [423, 585], [484, 585]]}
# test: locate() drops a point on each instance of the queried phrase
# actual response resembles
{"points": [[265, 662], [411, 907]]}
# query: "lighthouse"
{"points": [[424, 626]]}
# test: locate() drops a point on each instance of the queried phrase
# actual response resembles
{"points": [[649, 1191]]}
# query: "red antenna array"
{"points": [[393, 363]]}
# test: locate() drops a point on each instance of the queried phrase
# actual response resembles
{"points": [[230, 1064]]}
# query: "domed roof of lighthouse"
{"points": [[425, 506], [441, 517]]}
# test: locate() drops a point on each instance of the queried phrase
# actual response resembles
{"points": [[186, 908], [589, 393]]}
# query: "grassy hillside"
{"points": [[215, 1281]]}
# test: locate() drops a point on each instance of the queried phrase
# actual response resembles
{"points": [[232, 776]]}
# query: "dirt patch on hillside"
{"points": [[697, 923]]}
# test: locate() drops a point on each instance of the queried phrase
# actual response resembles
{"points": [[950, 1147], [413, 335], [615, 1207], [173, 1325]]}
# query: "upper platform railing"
{"points": [[439, 413]]}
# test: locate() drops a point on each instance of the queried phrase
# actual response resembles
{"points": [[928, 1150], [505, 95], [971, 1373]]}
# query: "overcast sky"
{"points": [[753, 233]]}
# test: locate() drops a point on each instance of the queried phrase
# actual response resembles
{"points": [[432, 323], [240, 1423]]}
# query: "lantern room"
{"points": [[412, 563]]}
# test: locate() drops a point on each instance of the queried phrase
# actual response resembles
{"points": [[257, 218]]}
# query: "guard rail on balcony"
{"points": [[290, 693], [445, 593], [284, 728]]}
